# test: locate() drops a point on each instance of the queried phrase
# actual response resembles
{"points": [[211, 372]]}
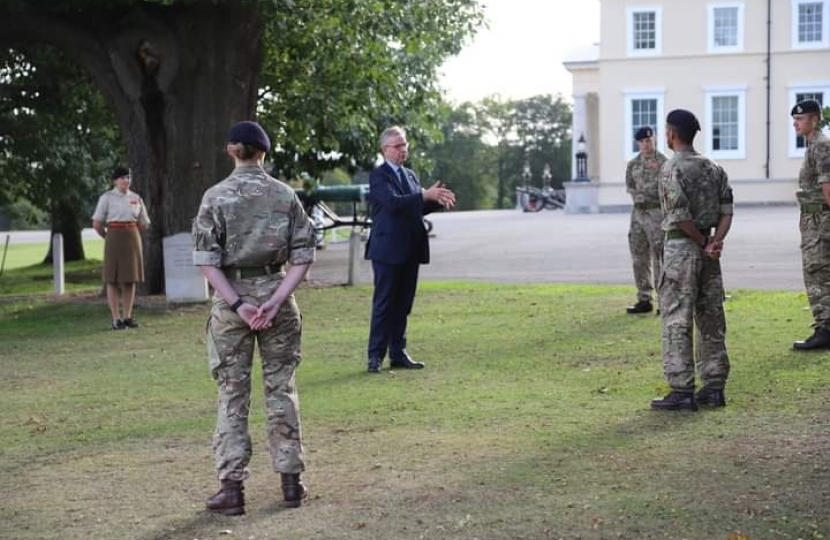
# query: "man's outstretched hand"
{"points": [[440, 194]]}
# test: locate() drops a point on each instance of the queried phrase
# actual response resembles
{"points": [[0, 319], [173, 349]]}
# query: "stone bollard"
{"points": [[57, 263], [354, 257]]}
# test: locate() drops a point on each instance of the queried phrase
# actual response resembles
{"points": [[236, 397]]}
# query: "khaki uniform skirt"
{"points": [[123, 257]]}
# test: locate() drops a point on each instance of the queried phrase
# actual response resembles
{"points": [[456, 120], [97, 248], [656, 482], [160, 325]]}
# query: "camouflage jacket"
{"points": [[251, 219], [693, 188], [642, 178], [815, 170]]}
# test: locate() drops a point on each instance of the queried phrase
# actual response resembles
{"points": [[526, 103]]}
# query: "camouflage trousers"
{"points": [[815, 258], [230, 350], [691, 293], [645, 240]]}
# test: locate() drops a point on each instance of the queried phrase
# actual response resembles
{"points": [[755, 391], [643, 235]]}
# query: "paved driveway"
{"points": [[513, 247], [551, 246]]}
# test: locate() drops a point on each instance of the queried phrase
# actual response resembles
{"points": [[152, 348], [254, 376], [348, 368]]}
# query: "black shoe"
{"points": [[374, 365], [405, 362], [229, 501], [675, 401], [643, 306], [118, 325], [294, 491], [710, 397], [819, 340], [130, 323]]}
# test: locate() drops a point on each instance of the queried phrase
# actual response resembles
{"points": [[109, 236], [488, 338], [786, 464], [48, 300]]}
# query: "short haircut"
{"points": [[684, 134], [390, 132]]}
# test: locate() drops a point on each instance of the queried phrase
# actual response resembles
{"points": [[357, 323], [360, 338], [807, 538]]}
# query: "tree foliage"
{"points": [[57, 139], [463, 160], [486, 147], [324, 77], [337, 72]]}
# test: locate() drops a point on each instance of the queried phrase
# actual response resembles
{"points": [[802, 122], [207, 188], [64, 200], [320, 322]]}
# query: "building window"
{"points": [[810, 23], [726, 123], [643, 108], [820, 91], [645, 31], [726, 27]]}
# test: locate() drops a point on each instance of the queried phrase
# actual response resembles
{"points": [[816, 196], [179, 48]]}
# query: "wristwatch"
{"points": [[236, 304]]}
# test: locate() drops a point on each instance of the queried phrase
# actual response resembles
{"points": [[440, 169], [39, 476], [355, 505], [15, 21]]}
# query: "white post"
{"points": [[57, 263], [354, 257]]}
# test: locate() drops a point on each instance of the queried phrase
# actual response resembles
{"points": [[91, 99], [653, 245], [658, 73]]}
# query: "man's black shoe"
{"points": [[643, 306], [819, 340], [405, 362], [675, 401], [374, 365], [710, 397]]}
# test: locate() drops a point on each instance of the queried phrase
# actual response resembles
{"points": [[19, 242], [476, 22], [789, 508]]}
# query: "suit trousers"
{"points": [[392, 301]]}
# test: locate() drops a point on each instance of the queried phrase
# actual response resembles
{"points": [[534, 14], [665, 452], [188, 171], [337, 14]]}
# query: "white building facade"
{"points": [[738, 65]]}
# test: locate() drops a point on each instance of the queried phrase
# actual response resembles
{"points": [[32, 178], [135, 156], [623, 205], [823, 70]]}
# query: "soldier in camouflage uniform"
{"points": [[645, 234], [814, 198], [248, 226], [696, 198]]}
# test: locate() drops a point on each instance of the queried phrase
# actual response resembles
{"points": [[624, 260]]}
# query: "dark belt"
{"points": [[674, 235], [245, 272], [814, 208], [646, 205]]}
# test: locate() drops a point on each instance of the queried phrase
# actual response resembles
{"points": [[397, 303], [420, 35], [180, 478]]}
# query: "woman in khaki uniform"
{"points": [[119, 219]]}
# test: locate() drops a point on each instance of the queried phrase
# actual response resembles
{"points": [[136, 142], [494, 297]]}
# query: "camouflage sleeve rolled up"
{"points": [[726, 200], [629, 178], [208, 235], [676, 207], [303, 242], [822, 161]]}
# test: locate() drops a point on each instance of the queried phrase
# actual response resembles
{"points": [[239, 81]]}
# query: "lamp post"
{"points": [[581, 161], [526, 174], [547, 177]]}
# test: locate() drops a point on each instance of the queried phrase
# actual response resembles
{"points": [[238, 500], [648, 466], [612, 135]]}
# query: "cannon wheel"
{"points": [[531, 202], [428, 225]]}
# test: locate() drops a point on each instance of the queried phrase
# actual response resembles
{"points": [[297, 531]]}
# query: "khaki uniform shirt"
{"points": [[642, 178], [815, 170], [252, 220], [116, 206], [694, 188]]}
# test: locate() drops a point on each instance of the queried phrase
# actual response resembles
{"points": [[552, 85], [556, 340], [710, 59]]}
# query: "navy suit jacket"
{"points": [[398, 235]]}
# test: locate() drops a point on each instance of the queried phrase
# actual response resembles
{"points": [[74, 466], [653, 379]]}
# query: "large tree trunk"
{"points": [[178, 76], [66, 221]]}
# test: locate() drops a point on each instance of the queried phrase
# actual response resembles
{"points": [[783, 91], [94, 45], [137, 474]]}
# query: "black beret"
{"points": [[250, 133], [644, 132], [118, 172], [683, 119], [807, 106]]}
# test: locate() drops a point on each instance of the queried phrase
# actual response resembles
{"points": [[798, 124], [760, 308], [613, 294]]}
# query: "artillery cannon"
{"points": [[316, 203], [323, 216], [533, 199]]}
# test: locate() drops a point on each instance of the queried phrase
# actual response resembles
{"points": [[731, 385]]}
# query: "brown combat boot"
{"points": [[229, 501], [293, 490]]}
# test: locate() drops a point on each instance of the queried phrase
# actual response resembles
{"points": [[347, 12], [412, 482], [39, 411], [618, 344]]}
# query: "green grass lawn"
{"points": [[530, 421], [25, 274]]}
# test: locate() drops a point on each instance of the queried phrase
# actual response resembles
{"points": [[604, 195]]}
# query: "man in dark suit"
{"points": [[397, 246]]}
